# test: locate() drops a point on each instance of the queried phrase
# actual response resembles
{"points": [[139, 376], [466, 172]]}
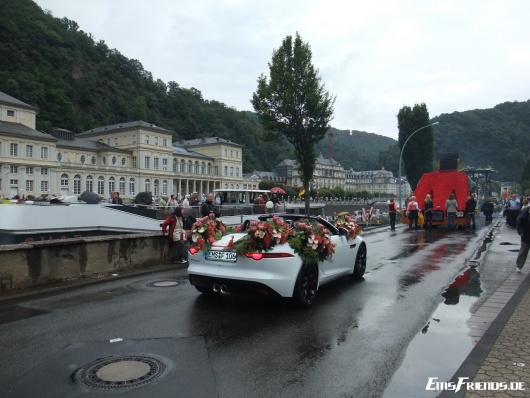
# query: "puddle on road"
{"points": [[16, 313]]}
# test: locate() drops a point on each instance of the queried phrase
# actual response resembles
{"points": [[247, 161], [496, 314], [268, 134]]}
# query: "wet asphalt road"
{"points": [[349, 344]]}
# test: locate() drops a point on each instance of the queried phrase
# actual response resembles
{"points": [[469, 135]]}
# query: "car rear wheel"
{"points": [[305, 289], [360, 262]]}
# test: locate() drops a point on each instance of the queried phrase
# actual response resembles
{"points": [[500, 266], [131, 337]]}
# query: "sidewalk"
{"points": [[502, 328]]}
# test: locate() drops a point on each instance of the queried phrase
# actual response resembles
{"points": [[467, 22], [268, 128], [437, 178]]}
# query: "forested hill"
{"points": [[78, 84]]}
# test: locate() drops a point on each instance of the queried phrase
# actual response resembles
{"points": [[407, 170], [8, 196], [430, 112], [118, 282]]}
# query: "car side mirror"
{"points": [[343, 231]]}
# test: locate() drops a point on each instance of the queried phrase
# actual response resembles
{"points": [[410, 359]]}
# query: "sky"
{"points": [[374, 56]]}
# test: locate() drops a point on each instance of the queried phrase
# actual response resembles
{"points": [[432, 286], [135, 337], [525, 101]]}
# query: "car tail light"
{"points": [[193, 250], [259, 256]]}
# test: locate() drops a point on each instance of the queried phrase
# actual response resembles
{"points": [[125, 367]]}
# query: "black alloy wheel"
{"points": [[305, 289], [360, 262]]}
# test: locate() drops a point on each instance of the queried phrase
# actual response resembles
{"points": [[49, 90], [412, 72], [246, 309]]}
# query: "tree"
{"points": [[418, 153], [294, 104], [525, 178]]}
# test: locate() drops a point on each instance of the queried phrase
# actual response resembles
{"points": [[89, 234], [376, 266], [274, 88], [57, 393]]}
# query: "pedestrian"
{"points": [[173, 228], [116, 200], [523, 229], [208, 207], [427, 211], [451, 207], [471, 208], [487, 209], [413, 212], [186, 202], [171, 203], [162, 202], [392, 212], [513, 207], [218, 199]]}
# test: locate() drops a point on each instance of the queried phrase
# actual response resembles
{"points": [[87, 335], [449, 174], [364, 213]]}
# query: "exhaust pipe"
{"points": [[223, 288], [215, 288]]}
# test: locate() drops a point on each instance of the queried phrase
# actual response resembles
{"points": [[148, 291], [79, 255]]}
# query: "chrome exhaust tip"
{"points": [[223, 288], [215, 288]]}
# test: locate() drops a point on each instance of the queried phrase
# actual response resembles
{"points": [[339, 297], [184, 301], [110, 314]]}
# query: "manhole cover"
{"points": [[119, 372], [165, 283]]}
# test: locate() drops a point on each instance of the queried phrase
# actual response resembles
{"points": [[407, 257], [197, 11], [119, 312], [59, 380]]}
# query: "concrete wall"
{"points": [[26, 265]]}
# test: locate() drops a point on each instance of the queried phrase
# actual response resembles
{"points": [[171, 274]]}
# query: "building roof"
{"points": [[20, 130], [206, 141], [7, 99], [124, 126], [177, 150]]}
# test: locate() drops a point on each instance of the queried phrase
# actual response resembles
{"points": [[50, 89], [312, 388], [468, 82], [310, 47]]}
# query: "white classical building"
{"points": [[129, 158]]}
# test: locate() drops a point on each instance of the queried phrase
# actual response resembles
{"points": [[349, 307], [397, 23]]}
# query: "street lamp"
{"points": [[401, 156]]}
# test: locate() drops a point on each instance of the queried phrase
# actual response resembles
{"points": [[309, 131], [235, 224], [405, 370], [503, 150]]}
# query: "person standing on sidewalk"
{"points": [[523, 229], [471, 206], [451, 207], [392, 211], [487, 209], [413, 210], [427, 212]]}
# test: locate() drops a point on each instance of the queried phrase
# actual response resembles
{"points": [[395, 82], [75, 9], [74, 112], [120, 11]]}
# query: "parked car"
{"points": [[279, 271]]}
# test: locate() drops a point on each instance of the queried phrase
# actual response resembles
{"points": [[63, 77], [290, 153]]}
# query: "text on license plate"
{"points": [[218, 255]]}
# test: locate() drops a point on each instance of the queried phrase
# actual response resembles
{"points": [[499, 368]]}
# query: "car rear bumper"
{"points": [[232, 285]]}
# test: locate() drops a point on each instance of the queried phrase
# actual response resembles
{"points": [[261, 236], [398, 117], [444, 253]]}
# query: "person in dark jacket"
{"points": [[523, 229], [427, 211], [392, 211], [209, 207], [471, 205], [487, 209]]}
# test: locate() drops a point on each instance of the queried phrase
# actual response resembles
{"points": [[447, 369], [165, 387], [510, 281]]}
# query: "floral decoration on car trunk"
{"points": [[312, 243], [206, 231], [263, 236], [348, 223]]}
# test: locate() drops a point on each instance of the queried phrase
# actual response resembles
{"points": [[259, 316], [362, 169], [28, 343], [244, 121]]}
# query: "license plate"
{"points": [[219, 255]]}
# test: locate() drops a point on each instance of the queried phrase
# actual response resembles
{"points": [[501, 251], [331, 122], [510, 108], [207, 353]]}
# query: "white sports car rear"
{"points": [[280, 271]]}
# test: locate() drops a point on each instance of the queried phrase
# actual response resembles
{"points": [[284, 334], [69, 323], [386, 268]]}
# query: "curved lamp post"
{"points": [[401, 156]]}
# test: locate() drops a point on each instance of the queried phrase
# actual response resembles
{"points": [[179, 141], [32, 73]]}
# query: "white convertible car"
{"points": [[278, 272]]}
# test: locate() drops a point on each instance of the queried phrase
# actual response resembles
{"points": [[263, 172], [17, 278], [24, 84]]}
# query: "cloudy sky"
{"points": [[374, 56]]}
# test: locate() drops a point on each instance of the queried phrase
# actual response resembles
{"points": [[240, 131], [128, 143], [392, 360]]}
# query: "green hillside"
{"points": [[79, 84]]}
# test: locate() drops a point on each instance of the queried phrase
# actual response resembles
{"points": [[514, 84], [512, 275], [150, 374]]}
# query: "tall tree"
{"points": [[294, 104], [418, 152]]}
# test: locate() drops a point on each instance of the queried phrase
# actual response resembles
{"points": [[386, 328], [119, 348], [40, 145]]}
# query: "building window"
{"points": [[13, 183], [44, 186], [182, 166], [44, 171], [114, 159], [13, 149], [132, 186], [64, 181], [147, 185], [134, 162], [226, 170], [147, 162], [29, 170], [155, 163], [209, 169], [101, 185], [175, 165], [112, 184], [59, 156], [216, 170], [164, 187], [237, 171], [104, 159], [156, 140], [155, 188], [122, 186], [231, 171], [29, 185], [196, 167], [13, 169], [203, 168], [44, 152], [134, 139], [77, 184], [165, 142], [164, 164], [89, 184], [116, 141], [123, 161], [83, 159], [10, 113], [147, 139], [108, 141], [29, 151], [93, 160], [190, 167]]}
